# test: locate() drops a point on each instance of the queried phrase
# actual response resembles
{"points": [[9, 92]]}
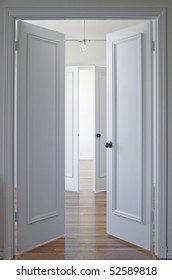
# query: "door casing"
{"points": [[159, 15]]}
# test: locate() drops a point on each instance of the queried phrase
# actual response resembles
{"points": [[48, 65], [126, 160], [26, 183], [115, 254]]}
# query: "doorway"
{"points": [[31, 125], [85, 124]]}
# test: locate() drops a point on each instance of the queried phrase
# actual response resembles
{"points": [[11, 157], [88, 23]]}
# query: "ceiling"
{"points": [[94, 30]]}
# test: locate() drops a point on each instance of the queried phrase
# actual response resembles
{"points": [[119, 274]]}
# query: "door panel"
{"points": [[71, 129], [129, 119], [128, 128], [40, 136], [99, 178]]}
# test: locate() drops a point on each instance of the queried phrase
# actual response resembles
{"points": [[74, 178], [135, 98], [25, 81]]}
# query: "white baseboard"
{"points": [[169, 254], [1, 254], [8, 253]]}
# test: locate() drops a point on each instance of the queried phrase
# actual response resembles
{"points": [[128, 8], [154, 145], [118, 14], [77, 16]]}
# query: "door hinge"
{"points": [[16, 45], [16, 217], [153, 45]]}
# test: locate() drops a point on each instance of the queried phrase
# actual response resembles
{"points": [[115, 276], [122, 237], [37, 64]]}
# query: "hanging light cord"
{"points": [[84, 30], [84, 40]]}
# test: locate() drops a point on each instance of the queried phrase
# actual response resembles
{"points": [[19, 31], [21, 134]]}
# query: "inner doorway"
{"points": [[85, 124]]}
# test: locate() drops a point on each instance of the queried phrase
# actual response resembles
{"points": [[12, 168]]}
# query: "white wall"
{"points": [[86, 115], [112, 4]]}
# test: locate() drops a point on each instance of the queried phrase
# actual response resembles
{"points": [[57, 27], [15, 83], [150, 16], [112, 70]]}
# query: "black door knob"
{"points": [[108, 145], [98, 135]]}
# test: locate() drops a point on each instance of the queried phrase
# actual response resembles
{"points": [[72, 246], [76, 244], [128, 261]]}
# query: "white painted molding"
{"points": [[8, 136], [139, 42], [31, 208], [169, 254], [88, 13], [1, 254], [161, 130], [8, 253], [23, 13]]}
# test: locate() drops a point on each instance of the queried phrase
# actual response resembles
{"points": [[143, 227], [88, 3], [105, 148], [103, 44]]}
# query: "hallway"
{"points": [[86, 236]]}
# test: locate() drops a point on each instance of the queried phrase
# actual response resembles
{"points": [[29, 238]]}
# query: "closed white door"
{"points": [[129, 134], [40, 136], [99, 166], [71, 129]]}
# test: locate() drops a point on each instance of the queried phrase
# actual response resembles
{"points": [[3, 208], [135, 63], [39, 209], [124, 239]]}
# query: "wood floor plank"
{"points": [[86, 236]]}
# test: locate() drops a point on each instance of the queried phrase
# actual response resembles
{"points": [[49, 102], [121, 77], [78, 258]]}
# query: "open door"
{"points": [[40, 136], [129, 134], [71, 129], [99, 166]]}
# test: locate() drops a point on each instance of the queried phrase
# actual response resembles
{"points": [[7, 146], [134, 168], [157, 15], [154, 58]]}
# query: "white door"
{"points": [[41, 148], [129, 128], [99, 166], [71, 129]]}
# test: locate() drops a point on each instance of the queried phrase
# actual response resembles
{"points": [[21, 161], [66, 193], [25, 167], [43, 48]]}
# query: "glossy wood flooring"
{"points": [[86, 236]]}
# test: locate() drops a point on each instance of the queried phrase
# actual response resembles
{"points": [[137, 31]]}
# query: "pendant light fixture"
{"points": [[84, 46], [84, 40]]}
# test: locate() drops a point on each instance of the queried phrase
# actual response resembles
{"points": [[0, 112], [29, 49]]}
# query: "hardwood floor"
{"points": [[86, 236]]}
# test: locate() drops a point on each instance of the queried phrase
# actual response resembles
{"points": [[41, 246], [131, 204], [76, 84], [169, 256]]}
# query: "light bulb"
{"points": [[84, 46]]}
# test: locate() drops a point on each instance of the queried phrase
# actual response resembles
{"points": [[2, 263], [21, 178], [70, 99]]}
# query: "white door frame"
{"points": [[159, 14]]}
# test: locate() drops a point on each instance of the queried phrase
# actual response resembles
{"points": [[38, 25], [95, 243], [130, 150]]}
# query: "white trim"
{"points": [[161, 153], [89, 13], [8, 253], [115, 43], [8, 137], [1, 254], [169, 254]]}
